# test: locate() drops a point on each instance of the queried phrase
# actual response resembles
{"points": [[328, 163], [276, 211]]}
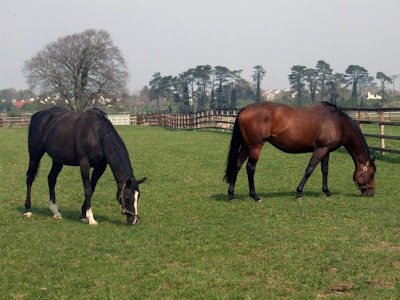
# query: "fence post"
{"points": [[382, 130], [360, 119]]}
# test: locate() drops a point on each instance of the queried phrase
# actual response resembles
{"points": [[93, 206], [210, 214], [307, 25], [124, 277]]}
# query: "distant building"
{"points": [[274, 94], [372, 96], [21, 103]]}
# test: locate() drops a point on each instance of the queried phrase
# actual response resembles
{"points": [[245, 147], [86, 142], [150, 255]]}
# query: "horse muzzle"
{"points": [[131, 221], [368, 192]]}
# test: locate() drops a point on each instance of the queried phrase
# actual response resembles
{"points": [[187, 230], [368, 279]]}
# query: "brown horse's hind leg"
{"points": [[243, 154], [317, 156], [251, 169], [324, 169]]}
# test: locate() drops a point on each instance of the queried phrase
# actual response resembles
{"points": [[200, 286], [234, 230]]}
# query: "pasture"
{"points": [[190, 242]]}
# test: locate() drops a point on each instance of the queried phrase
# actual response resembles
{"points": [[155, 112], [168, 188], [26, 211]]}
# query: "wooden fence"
{"points": [[14, 121], [381, 117], [223, 120]]}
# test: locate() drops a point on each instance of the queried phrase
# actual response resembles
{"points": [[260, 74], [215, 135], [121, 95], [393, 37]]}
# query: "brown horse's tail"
{"points": [[234, 149]]}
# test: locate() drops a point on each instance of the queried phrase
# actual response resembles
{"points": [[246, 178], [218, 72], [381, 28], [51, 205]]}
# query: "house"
{"points": [[274, 94], [21, 103], [372, 96]]}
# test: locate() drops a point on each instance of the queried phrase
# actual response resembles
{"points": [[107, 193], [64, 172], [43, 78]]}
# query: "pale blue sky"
{"points": [[170, 36]]}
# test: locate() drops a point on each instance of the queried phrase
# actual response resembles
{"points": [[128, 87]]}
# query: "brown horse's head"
{"points": [[364, 178]]}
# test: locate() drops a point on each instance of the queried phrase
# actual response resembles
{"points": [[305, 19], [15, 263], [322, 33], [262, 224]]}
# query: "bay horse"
{"points": [[87, 140], [320, 128]]}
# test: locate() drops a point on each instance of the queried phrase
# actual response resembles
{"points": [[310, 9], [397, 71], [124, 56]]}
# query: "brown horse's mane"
{"points": [[353, 124]]}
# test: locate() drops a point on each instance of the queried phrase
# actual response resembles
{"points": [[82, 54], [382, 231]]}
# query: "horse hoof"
{"points": [[331, 196], [299, 198], [259, 201], [57, 217], [28, 214], [83, 219]]}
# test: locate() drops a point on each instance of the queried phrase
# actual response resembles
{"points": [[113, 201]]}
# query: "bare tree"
{"points": [[80, 69]]}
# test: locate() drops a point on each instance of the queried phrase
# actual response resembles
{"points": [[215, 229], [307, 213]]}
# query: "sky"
{"points": [[171, 36]]}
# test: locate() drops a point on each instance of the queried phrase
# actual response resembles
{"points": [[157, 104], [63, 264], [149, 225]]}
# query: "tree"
{"points": [[235, 79], [160, 87], [324, 71], [335, 83], [296, 80], [144, 95], [355, 73], [222, 75], [384, 79], [394, 78], [311, 79], [203, 75], [258, 76], [79, 68]]}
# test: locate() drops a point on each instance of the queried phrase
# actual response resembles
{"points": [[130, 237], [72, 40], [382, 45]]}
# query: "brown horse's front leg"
{"points": [[315, 159]]}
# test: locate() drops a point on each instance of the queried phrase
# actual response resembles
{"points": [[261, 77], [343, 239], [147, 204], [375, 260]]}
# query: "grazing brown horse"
{"points": [[319, 128]]}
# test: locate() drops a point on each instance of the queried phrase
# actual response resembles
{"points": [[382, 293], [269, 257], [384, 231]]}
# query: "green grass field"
{"points": [[191, 243]]}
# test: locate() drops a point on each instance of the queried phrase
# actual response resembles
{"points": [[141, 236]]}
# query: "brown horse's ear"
{"points": [[141, 180]]}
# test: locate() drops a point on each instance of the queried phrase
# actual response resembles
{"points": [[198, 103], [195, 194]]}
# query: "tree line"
{"points": [[329, 86], [86, 69], [205, 87]]}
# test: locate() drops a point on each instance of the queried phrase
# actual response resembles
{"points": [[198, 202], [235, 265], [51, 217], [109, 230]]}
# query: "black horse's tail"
{"points": [[234, 149]]}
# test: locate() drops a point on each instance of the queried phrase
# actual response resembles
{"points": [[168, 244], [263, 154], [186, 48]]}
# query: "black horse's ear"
{"points": [[372, 158], [141, 180], [129, 182]]}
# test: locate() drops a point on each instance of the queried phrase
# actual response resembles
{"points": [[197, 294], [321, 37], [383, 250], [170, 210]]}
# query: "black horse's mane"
{"points": [[354, 124], [113, 145]]}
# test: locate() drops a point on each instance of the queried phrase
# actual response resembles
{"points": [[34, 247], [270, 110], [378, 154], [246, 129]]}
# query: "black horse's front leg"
{"points": [[96, 174], [85, 173]]}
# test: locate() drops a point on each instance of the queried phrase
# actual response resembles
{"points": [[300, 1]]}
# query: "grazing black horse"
{"points": [[87, 140], [319, 128]]}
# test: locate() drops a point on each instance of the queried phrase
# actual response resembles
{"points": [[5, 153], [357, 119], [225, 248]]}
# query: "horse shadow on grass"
{"points": [[288, 195], [71, 215]]}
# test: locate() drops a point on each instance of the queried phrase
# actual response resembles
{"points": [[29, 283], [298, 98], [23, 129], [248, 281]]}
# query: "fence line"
{"points": [[223, 120]]}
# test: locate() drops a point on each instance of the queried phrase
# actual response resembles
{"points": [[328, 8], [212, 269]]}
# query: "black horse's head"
{"points": [[128, 198], [364, 178]]}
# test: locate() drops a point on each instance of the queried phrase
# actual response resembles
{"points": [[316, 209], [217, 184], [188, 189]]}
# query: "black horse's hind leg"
{"points": [[96, 174], [87, 188], [34, 161], [244, 153], [52, 180], [324, 169], [251, 169], [317, 156]]}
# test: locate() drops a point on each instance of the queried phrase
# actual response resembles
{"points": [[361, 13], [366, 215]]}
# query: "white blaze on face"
{"points": [[135, 200]]}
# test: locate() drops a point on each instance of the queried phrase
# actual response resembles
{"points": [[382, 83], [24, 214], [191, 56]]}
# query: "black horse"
{"points": [[87, 140]]}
